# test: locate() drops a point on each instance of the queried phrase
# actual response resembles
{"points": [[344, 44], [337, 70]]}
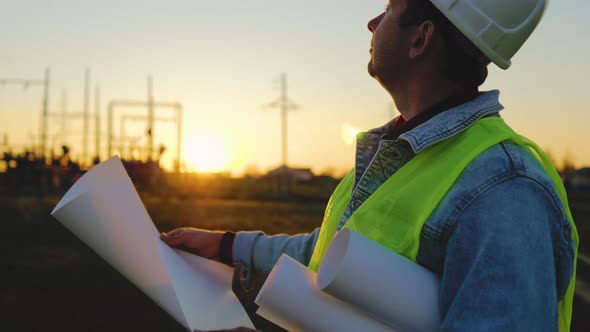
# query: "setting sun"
{"points": [[205, 152], [348, 133]]}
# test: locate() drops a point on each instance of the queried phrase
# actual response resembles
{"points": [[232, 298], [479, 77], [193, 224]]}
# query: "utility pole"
{"points": [[285, 105], [150, 127], [44, 106], [64, 115], [86, 108], [83, 114], [179, 111], [177, 107], [97, 122], [284, 110], [45, 116], [127, 117]]}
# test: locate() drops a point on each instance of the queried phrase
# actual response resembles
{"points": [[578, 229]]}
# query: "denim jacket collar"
{"points": [[452, 122], [440, 127]]}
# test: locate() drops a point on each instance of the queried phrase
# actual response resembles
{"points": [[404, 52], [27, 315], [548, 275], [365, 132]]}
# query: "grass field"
{"points": [[52, 282]]}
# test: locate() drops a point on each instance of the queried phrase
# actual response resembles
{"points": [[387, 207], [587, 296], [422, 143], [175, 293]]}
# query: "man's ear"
{"points": [[421, 40]]}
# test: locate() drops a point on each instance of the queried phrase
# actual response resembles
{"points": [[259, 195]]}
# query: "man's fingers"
{"points": [[175, 232], [176, 241], [169, 240]]}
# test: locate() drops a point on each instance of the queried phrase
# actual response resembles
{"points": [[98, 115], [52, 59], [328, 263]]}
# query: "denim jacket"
{"points": [[500, 239]]}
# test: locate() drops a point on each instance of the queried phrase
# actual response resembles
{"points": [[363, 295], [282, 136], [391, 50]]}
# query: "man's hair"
{"points": [[461, 61]]}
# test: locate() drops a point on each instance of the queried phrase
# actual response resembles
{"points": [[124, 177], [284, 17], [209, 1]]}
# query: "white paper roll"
{"points": [[290, 299], [387, 285], [100, 175], [104, 210], [203, 290]]}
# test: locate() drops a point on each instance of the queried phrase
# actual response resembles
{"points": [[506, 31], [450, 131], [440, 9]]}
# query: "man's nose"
{"points": [[374, 23]]}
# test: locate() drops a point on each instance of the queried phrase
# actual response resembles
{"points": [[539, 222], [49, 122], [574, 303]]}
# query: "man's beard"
{"points": [[371, 69], [379, 74]]}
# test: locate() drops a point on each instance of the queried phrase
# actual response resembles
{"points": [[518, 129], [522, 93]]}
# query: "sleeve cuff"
{"points": [[226, 248], [242, 248]]}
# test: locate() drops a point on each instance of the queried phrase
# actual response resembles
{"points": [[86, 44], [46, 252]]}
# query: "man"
{"points": [[491, 220]]}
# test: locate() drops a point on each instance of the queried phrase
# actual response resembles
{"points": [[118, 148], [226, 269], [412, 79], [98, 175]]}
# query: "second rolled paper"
{"points": [[389, 286]]}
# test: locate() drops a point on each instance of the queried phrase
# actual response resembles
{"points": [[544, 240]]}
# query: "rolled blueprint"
{"points": [[104, 210], [290, 299], [392, 288]]}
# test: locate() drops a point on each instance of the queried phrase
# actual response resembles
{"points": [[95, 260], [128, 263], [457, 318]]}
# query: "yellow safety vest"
{"points": [[393, 217]]}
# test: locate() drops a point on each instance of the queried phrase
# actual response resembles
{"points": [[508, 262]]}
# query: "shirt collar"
{"points": [[401, 126], [442, 125], [452, 122]]}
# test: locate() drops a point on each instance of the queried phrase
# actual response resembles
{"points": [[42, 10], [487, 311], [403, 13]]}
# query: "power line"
{"points": [[151, 105], [45, 103], [86, 115], [285, 105], [97, 122]]}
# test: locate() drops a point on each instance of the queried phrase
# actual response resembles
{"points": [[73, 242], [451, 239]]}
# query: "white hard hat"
{"points": [[497, 27]]}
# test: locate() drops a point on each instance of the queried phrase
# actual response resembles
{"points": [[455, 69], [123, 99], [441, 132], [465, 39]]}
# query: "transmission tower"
{"points": [[97, 123], [151, 105], [45, 104], [285, 105], [86, 115], [66, 115]]}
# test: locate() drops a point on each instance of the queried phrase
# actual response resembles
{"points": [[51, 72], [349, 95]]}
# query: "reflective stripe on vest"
{"points": [[393, 217]]}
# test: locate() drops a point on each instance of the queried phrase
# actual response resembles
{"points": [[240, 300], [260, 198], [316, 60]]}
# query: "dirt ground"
{"points": [[51, 281]]}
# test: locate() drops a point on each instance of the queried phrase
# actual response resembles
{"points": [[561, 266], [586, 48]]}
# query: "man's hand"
{"points": [[196, 241]]}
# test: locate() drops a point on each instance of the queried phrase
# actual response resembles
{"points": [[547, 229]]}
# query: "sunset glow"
{"points": [[206, 153], [349, 133], [325, 60]]}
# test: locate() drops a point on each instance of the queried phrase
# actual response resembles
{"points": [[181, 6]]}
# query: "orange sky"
{"points": [[222, 65]]}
